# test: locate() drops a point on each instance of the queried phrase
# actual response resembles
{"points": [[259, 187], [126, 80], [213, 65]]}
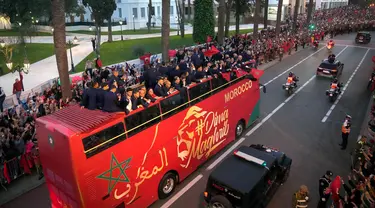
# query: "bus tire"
{"points": [[167, 185], [220, 201], [240, 128]]}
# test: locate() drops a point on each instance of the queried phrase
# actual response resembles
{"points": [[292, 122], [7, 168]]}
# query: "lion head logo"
{"points": [[187, 132]]}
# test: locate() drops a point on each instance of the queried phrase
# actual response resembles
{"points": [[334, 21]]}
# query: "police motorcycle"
{"points": [[334, 90], [290, 84], [330, 45], [315, 44]]}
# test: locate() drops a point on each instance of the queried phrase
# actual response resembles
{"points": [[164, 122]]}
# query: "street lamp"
{"points": [[19, 68], [75, 40], [178, 25], [133, 22], [120, 22], [2, 43], [70, 44]]}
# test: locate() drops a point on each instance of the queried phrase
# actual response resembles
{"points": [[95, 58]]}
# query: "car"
{"points": [[363, 37], [330, 69], [248, 178]]}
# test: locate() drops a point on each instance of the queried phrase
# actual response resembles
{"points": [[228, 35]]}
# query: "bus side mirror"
{"points": [[263, 88]]}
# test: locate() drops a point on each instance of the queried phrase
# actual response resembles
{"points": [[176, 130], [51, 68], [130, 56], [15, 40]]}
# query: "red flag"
{"points": [[257, 73], [211, 51], [172, 53], [6, 172], [226, 75], [241, 73], [209, 39], [25, 165]]}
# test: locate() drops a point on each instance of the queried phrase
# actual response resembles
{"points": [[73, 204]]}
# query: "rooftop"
{"points": [[240, 174], [81, 120]]}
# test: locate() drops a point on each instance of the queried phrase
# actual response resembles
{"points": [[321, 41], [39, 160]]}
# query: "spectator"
{"points": [[17, 88], [2, 99], [89, 67]]}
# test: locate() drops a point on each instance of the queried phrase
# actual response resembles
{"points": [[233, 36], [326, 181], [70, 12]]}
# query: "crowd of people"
{"points": [[119, 88]]}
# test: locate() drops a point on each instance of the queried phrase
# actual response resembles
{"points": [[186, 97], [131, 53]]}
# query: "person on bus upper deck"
{"points": [[114, 78], [125, 101], [200, 74], [163, 69], [174, 72], [158, 90], [142, 98], [89, 99], [100, 96], [111, 100], [137, 101]]}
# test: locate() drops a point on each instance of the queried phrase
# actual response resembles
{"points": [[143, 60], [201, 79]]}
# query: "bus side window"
{"points": [[172, 105], [104, 139], [199, 92], [142, 120]]}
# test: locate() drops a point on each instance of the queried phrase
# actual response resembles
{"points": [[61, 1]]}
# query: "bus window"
{"points": [[199, 92], [172, 105], [142, 120], [103, 140]]}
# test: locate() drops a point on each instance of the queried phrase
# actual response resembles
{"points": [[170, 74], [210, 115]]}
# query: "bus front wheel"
{"points": [[240, 127], [167, 185]]}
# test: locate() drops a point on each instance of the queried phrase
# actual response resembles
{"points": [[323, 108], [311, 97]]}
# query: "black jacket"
{"points": [[111, 102]]}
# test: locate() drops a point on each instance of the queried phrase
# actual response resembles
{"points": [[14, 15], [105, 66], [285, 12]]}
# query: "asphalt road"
{"points": [[293, 125]]}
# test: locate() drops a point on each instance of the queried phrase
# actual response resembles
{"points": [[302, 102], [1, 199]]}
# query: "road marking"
{"points": [[218, 160], [292, 67], [235, 145], [182, 191], [345, 87]]}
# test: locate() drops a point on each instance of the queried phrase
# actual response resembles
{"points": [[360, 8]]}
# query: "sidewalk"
{"points": [[28, 183], [365, 131], [46, 69]]}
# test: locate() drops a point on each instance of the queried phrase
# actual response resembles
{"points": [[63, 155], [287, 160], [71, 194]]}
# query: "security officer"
{"points": [[345, 131], [324, 183], [300, 198]]}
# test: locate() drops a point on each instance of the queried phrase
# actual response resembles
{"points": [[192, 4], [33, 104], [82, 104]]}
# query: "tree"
{"points": [[75, 10], [204, 20], [240, 8], [189, 10], [278, 17], [256, 18], [295, 15], [228, 8], [101, 10], [221, 24], [165, 29], [180, 16], [265, 17], [309, 11], [150, 13], [59, 39]]}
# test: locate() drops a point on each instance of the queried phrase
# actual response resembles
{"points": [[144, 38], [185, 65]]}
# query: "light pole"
{"points": [[120, 22], [70, 44], [133, 23], [178, 25]]}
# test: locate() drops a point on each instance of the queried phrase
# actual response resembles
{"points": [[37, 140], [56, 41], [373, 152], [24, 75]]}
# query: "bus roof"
{"points": [[81, 120]]}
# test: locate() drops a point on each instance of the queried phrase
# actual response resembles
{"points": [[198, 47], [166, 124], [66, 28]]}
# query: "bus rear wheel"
{"points": [[167, 185], [240, 127]]}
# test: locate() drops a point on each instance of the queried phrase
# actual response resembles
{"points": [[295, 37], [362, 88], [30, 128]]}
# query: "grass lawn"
{"points": [[124, 32], [119, 51], [35, 52], [16, 33]]}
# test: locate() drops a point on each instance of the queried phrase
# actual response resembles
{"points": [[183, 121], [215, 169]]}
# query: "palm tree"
{"points": [[109, 29], [295, 15], [227, 16], [59, 39], [165, 29], [265, 17], [256, 18], [278, 18], [220, 34], [309, 11]]}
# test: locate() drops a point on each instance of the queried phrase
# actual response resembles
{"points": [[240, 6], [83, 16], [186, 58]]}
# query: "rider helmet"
{"points": [[335, 80], [291, 74], [348, 117]]}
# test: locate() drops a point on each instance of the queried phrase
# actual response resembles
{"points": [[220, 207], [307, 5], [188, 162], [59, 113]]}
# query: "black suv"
{"points": [[363, 37], [248, 178]]}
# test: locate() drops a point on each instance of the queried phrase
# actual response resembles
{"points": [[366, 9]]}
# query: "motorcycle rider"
{"points": [[301, 197], [330, 44], [316, 43], [336, 85], [292, 79], [324, 183]]}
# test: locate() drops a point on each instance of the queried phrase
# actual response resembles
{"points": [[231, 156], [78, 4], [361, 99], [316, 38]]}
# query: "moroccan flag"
{"points": [[6, 172], [257, 73], [226, 76], [209, 39], [211, 51]]}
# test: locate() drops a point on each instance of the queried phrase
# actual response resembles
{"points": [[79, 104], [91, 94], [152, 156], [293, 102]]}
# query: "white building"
{"points": [[135, 12]]}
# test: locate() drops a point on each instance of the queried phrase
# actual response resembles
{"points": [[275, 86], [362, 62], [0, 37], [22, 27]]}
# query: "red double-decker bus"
{"points": [[98, 159]]}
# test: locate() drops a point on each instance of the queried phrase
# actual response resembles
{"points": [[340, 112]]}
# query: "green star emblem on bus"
{"points": [[116, 173]]}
